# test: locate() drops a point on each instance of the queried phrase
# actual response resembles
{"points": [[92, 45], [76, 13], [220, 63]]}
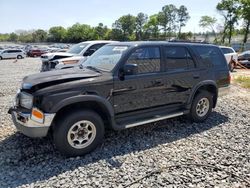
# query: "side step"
{"points": [[153, 119]]}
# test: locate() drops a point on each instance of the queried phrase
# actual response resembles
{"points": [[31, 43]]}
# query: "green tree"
{"points": [[152, 27], [230, 10], [245, 12], [126, 26], [57, 34], [167, 19], [208, 22], [140, 21], [182, 17], [100, 32], [4, 37], [13, 37], [39, 35], [79, 32]]}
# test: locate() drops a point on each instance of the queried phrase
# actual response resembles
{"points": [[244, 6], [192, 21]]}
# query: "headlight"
{"points": [[25, 100]]}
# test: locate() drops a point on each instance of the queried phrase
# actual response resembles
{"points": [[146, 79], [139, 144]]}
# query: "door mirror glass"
{"points": [[130, 69]]}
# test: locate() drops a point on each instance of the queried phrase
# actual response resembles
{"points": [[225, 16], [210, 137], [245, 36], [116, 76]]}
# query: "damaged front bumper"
{"points": [[29, 127]]}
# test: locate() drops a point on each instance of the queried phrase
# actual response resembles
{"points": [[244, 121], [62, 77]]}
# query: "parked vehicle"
{"points": [[122, 85], [69, 62], [245, 63], [231, 56], [35, 53], [244, 56], [8, 54], [81, 49]]}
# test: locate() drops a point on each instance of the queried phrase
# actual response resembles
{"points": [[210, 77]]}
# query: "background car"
{"points": [[244, 56], [11, 53], [231, 56], [70, 62], [82, 49], [35, 53]]}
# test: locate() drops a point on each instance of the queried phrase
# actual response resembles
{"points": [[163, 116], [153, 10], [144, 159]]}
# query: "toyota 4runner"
{"points": [[122, 85]]}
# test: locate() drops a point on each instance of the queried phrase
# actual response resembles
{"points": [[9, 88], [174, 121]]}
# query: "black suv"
{"points": [[122, 85]]}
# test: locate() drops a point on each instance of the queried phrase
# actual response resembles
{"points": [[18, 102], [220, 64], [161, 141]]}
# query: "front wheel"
{"points": [[78, 133], [1, 58], [19, 57], [201, 107]]}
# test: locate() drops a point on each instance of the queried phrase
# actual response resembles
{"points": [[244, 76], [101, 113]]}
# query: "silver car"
{"points": [[12, 53]]}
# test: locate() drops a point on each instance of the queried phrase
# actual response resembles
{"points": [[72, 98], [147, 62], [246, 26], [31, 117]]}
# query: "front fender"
{"points": [[84, 98]]}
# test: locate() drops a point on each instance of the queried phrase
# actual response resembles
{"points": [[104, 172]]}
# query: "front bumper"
{"points": [[29, 127], [223, 91]]}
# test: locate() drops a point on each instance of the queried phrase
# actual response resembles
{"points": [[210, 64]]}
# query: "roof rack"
{"points": [[189, 41]]}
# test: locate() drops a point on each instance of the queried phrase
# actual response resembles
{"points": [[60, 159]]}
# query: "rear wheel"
{"points": [[201, 107], [1, 58], [78, 133]]}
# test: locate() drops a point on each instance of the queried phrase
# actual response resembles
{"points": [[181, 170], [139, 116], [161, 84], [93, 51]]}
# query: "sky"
{"points": [[35, 14]]}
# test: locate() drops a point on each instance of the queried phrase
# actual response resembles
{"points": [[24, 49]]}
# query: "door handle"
{"points": [[157, 83], [196, 76]]}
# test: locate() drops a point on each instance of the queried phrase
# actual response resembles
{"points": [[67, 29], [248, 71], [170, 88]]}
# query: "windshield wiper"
{"points": [[92, 68]]}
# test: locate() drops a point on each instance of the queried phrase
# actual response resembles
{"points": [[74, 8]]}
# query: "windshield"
{"points": [[77, 48], [106, 57]]}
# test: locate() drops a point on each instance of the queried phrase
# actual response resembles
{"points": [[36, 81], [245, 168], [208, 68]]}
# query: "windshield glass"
{"points": [[77, 48], [106, 57]]}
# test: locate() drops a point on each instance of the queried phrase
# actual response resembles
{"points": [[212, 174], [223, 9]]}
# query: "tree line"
{"points": [[164, 25]]}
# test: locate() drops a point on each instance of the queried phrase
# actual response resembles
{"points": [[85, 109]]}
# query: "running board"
{"points": [[156, 118]]}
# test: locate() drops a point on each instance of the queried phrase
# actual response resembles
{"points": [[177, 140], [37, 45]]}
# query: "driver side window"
{"points": [[147, 59]]}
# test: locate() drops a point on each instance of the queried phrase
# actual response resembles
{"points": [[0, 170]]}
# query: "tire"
{"points": [[85, 123], [201, 106], [19, 57], [1, 58]]}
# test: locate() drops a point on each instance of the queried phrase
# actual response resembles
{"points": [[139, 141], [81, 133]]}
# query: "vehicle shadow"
{"points": [[24, 160]]}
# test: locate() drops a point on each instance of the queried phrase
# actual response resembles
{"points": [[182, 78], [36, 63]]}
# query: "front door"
{"points": [[142, 90]]}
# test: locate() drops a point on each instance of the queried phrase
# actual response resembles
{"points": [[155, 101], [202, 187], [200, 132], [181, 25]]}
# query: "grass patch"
{"points": [[244, 81]]}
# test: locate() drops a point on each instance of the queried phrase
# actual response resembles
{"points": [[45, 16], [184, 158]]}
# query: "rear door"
{"points": [[182, 73]]}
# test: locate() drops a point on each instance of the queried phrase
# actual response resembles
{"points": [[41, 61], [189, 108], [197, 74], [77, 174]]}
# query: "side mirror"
{"points": [[130, 69]]}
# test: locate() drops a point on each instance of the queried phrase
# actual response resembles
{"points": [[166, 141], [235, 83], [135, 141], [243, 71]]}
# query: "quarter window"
{"points": [[178, 58], [147, 59]]}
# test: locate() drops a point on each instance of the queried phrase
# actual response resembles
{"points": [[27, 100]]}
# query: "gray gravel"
{"points": [[174, 153]]}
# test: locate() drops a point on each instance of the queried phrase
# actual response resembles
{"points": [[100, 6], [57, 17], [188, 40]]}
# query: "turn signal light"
{"points": [[37, 115]]}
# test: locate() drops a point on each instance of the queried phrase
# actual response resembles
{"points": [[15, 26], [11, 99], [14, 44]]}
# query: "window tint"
{"points": [[178, 58], [147, 59], [227, 50], [211, 55], [93, 48]]}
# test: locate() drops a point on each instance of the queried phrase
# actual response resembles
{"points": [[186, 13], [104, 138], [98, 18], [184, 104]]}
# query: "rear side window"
{"points": [[227, 50], [178, 58], [211, 54]]}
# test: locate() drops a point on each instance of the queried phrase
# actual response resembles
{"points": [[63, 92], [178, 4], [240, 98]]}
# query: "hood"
{"points": [[51, 55], [50, 78]]}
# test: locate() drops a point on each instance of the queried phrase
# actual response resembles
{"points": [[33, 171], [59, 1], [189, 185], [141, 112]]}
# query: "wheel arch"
{"points": [[88, 102], [209, 86]]}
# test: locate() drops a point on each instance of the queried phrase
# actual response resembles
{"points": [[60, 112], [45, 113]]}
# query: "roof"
{"points": [[98, 41], [145, 43]]}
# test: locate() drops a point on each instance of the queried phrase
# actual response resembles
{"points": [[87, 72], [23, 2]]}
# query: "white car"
{"points": [[8, 54], [82, 49], [231, 56]]}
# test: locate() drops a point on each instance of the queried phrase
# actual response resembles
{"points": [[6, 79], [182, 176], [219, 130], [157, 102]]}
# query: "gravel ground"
{"points": [[171, 153]]}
